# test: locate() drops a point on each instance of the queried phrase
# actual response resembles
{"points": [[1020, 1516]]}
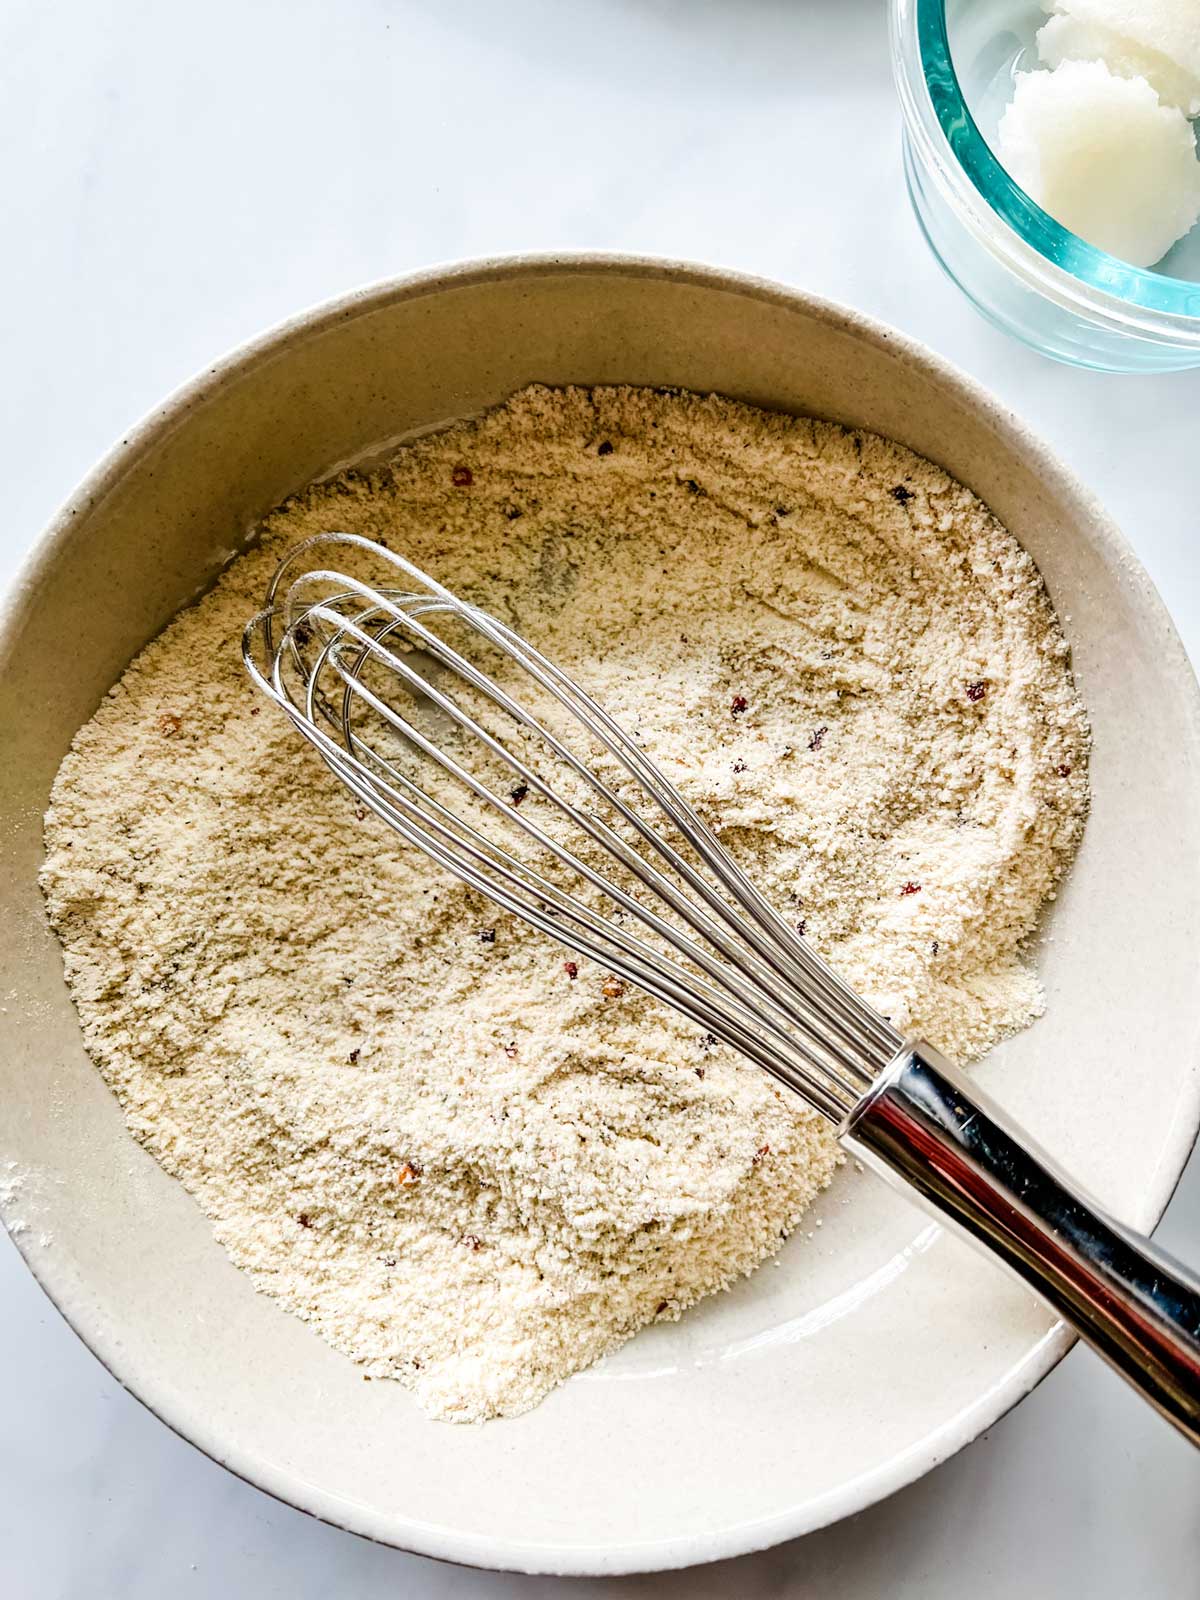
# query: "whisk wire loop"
{"points": [[745, 977]]}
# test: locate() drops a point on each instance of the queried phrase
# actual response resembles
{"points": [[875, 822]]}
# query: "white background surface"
{"points": [[177, 177]]}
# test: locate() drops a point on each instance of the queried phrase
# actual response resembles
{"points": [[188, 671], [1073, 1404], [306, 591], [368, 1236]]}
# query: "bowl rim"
{"points": [[1049, 258], [439, 1541]]}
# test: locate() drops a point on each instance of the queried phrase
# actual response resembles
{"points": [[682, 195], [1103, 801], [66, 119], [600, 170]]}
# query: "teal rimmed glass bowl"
{"points": [[1026, 273]]}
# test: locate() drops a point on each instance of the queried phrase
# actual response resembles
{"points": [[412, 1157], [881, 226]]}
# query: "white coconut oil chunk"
{"points": [[1104, 157], [1158, 40]]}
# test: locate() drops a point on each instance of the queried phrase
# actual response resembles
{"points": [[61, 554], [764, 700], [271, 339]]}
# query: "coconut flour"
{"points": [[471, 1165]]}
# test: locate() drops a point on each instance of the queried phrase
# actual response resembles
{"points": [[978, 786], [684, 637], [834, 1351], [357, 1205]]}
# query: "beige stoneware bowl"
{"points": [[881, 1345]]}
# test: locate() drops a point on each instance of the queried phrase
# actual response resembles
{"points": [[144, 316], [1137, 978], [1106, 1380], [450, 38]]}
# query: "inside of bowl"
{"points": [[969, 53]]}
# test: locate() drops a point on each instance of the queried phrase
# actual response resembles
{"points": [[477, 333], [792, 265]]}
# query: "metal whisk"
{"points": [[476, 749]]}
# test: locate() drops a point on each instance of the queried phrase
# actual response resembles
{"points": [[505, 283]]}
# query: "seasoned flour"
{"points": [[468, 1169]]}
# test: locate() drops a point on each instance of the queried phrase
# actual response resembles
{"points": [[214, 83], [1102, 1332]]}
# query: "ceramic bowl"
{"points": [[879, 1345]]}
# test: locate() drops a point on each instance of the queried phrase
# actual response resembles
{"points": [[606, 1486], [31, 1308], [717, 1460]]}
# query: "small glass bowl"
{"points": [[1020, 268]]}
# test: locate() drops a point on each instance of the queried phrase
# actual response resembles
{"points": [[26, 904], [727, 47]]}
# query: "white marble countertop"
{"points": [[178, 177]]}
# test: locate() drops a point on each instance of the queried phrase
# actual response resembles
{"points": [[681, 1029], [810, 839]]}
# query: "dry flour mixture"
{"points": [[467, 1165]]}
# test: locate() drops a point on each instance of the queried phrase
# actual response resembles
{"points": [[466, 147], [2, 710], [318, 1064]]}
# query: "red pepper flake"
{"points": [[604, 448], [304, 1220], [1064, 771], [660, 1308], [472, 1241], [818, 738], [739, 766], [911, 888], [571, 968], [169, 724], [518, 794], [699, 1072], [976, 691], [462, 477], [354, 1055], [254, 710], [408, 1174], [487, 935], [901, 494], [612, 989], [763, 1151], [738, 704]]}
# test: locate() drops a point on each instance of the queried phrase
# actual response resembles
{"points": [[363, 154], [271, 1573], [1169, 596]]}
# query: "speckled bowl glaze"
{"points": [[879, 1345]]}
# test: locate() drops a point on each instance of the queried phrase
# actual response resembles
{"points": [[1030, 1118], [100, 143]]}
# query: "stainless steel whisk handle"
{"points": [[925, 1124]]}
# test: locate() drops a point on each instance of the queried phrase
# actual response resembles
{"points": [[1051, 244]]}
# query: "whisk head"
{"points": [[476, 749]]}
